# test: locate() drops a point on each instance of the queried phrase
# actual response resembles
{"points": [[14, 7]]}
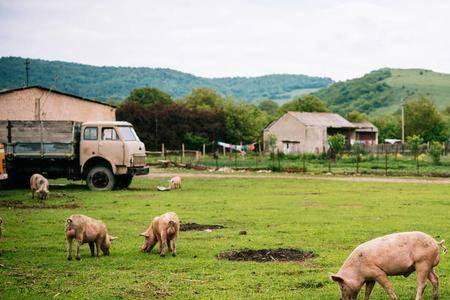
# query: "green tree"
{"points": [[336, 143], [435, 152], [272, 143], [389, 127], [306, 103], [356, 117], [204, 99], [194, 141], [149, 96], [415, 144], [423, 119], [244, 122], [268, 106]]}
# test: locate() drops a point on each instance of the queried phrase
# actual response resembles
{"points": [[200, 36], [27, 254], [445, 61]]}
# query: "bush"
{"points": [[435, 152]]}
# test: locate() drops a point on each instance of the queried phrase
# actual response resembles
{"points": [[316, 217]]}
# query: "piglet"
{"points": [[39, 185], [390, 255], [87, 230], [163, 230], [175, 182]]}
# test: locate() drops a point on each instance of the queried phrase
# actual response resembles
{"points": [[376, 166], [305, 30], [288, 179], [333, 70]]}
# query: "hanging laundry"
{"points": [[240, 148]]}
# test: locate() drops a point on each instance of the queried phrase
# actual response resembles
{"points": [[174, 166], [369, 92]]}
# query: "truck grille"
{"points": [[138, 160]]}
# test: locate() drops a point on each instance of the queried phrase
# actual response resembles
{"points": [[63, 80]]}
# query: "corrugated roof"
{"points": [[55, 91], [329, 120], [365, 126]]}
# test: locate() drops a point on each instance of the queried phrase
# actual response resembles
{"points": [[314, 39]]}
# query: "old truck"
{"points": [[106, 154]]}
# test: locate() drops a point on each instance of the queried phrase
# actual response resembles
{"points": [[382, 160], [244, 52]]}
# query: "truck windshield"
{"points": [[128, 134]]}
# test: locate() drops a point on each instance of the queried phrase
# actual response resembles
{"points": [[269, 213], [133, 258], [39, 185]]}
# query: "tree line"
{"points": [[204, 117]]}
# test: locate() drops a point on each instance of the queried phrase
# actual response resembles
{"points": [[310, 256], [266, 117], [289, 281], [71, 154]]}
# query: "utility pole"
{"points": [[27, 67], [402, 105]]}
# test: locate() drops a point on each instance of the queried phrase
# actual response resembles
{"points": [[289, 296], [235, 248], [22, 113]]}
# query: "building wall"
{"points": [[24, 105], [288, 128]]}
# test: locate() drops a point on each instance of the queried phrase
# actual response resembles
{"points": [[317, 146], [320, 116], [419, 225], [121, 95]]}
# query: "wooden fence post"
{"points": [[162, 150], [204, 150], [182, 152]]}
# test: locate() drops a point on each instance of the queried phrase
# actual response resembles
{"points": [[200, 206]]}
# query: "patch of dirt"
{"points": [[199, 227], [310, 285], [267, 255], [20, 204]]}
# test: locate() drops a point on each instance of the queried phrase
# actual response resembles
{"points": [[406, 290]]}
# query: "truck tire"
{"points": [[123, 181], [100, 178]]}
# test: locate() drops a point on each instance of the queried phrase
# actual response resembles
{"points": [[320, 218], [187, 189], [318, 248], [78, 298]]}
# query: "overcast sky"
{"points": [[338, 39]]}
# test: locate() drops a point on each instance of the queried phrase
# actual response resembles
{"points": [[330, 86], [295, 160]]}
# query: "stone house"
{"points": [[307, 132]]}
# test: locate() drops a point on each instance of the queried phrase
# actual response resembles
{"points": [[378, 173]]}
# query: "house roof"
{"points": [[329, 120], [365, 127], [56, 92]]}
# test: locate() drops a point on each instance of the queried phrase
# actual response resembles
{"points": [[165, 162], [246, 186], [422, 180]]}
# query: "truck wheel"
{"points": [[124, 181], [100, 179]]}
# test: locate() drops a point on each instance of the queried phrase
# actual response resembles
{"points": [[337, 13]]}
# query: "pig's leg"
{"points": [[98, 243], [422, 276], [69, 248], [163, 244], [79, 242], [386, 284], [168, 244], [369, 288], [91, 247], [174, 246], [434, 279]]}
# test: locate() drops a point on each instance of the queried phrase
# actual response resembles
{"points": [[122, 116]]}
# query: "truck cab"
{"points": [[110, 154]]}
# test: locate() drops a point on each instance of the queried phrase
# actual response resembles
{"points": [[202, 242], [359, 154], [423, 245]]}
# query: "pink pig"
{"points": [[390, 255]]}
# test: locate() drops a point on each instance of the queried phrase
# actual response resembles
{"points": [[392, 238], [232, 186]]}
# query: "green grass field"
{"points": [[327, 217]]}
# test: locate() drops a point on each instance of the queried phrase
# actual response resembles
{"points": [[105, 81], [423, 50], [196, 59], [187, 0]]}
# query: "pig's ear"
{"points": [[336, 278], [144, 234]]}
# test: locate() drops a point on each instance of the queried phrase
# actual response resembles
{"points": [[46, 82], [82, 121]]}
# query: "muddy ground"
{"points": [[268, 255]]}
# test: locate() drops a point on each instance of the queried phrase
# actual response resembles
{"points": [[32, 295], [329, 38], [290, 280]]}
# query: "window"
{"points": [[109, 134], [128, 134], [90, 134]]}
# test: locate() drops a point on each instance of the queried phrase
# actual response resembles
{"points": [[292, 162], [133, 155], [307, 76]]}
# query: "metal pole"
{"points": [[403, 119]]}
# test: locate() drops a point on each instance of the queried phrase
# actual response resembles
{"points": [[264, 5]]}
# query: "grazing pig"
{"points": [[163, 230], [390, 255], [175, 182], [39, 185], [87, 230]]}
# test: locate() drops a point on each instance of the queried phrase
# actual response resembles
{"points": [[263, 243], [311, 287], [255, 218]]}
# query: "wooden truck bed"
{"points": [[40, 139]]}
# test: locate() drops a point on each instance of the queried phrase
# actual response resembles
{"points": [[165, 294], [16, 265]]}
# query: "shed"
{"points": [[307, 132]]}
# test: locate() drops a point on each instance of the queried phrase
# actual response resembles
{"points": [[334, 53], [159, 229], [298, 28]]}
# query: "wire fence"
{"points": [[386, 160]]}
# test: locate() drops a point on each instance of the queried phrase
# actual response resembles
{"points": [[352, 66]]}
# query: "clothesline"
{"points": [[249, 147]]}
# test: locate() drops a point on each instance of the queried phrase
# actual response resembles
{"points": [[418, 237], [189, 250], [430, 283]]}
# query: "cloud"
{"points": [[341, 39]]}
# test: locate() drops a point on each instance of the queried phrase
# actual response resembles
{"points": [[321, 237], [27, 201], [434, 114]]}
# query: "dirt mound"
{"points": [[266, 255], [198, 227], [20, 204]]}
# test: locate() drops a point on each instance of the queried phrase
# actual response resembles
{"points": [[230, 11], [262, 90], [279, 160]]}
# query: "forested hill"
{"points": [[116, 82], [381, 91]]}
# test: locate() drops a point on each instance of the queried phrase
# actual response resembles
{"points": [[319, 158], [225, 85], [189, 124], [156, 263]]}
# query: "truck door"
{"points": [[111, 146], [89, 143]]}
